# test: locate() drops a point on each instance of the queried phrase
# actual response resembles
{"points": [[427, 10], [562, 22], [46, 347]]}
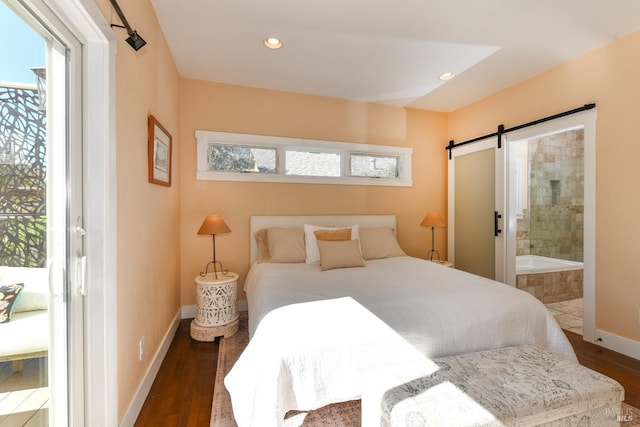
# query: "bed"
{"points": [[321, 335]]}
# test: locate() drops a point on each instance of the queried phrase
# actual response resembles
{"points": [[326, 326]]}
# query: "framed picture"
{"points": [[159, 153]]}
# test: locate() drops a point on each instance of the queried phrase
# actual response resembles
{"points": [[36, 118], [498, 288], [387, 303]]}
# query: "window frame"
{"points": [[378, 155], [247, 146], [284, 144]]}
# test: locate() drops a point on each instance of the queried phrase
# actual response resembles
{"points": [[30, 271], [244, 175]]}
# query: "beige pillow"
{"points": [[379, 242], [262, 244], [339, 254], [286, 244], [333, 235], [313, 256]]}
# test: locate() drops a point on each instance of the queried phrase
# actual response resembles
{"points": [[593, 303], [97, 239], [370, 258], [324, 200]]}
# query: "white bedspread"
{"points": [[304, 355]]}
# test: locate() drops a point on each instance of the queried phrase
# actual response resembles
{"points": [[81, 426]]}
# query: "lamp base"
{"points": [[209, 333], [431, 253], [215, 271]]}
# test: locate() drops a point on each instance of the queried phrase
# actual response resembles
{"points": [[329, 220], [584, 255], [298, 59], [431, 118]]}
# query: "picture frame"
{"points": [[159, 153]]}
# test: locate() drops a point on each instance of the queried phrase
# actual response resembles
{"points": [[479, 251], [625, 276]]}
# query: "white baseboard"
{"points": [[185, 312], [189, 311], [141, 394], [617, 343]]}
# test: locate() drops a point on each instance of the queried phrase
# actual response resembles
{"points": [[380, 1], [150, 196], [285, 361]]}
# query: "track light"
{"points": [[134, 39]]}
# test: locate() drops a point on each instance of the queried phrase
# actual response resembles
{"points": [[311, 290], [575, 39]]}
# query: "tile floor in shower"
{"points": [[568, 314]]}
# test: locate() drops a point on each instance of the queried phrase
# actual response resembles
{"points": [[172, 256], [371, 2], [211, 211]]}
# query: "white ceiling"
{"points": [[387, 51]]}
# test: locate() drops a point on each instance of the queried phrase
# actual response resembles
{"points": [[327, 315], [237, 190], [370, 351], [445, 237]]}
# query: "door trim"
{"points": [[587, 120]]}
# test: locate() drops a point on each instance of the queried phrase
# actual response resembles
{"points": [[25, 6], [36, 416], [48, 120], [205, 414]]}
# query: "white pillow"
{"points": [[311, 244]]}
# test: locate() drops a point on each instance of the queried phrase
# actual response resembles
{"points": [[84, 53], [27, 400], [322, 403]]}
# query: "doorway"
{"points": [[572, 134], [507, 193], [550, 222]]}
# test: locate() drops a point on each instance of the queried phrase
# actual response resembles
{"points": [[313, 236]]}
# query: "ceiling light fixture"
{"points": [[447, 76], [273, 43]]}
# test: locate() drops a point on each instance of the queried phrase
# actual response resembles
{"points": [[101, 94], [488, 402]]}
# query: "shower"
{"points": [[550, 219]]}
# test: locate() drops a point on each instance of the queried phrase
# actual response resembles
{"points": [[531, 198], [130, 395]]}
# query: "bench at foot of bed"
{"points": [[522, 386]]}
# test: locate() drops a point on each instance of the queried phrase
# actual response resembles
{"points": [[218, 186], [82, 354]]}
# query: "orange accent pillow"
{"points": [[333, 235]]}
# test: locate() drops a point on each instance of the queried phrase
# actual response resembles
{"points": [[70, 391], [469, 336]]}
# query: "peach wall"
{"points": [[147, 82], [609, 77], [226, 108]]}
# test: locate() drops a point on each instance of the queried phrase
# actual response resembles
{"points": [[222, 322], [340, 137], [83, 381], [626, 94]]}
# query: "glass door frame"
{"points": [[83, 30]]}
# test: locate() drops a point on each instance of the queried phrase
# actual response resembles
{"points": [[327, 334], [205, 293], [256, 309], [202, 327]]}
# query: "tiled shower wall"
{"points": [[553, 222]]}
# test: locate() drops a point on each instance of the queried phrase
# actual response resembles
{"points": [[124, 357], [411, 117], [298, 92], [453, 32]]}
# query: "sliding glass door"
{"points": [[41, 376]]}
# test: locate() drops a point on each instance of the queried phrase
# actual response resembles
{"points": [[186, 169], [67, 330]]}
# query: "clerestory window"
{"points": [[243, 157]]}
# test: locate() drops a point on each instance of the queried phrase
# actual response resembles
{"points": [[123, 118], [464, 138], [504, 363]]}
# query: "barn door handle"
{"points": [[496, 217]]}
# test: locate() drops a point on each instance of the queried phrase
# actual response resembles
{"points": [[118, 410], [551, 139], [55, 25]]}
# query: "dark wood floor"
{"points": [[182, 392], [624, 369]]}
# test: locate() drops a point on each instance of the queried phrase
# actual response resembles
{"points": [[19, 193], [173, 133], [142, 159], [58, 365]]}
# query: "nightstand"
{"points": [[443, 262], [217, 313]]}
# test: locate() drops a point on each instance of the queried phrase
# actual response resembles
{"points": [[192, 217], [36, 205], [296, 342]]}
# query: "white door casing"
{"points": [[586, 120]]}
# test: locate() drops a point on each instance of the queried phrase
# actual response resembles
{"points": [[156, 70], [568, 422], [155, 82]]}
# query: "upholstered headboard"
{"points": [[260, 222]]}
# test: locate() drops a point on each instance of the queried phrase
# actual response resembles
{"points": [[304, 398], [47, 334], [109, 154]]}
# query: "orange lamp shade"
{"points": [[213, 224], [433, 219]]}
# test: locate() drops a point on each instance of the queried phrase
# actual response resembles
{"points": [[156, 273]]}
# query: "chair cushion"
{"points": [[27, 333]]}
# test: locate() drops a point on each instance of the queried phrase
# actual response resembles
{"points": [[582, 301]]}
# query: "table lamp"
{"points": [[213, 224], [432, 220]]}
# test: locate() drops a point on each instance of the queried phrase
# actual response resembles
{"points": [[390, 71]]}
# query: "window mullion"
{"points": [[282, 160], [345, 157]]}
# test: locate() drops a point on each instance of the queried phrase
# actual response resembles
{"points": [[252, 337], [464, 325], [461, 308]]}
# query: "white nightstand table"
{"points": [[443, 262], [217, 313]]}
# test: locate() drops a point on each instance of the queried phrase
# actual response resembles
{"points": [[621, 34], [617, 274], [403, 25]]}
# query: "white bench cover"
{"points": [[523, 386]]}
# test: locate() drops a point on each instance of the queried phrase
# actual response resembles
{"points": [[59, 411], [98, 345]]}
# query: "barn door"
{"points": [[476, 207]]}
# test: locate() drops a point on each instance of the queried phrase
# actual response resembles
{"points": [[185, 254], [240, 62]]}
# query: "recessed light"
{"points": [[273, 43], [447, 76]]}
